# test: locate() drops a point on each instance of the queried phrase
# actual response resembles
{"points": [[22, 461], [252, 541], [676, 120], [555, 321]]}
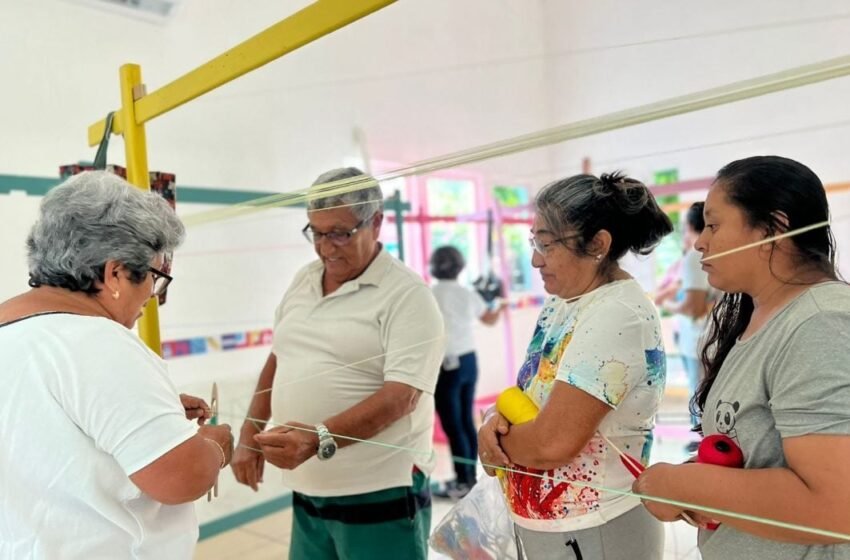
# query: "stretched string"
{"points": [[683, 505], [370, 358], [346, 366], [316, 192], [680, 504], [737, 91], [635, 464], [767, 240], [621, 159], [569, 300], [748, 246]]}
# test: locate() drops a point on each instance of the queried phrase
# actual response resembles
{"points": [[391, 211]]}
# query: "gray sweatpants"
{"points": [[635, 535]]}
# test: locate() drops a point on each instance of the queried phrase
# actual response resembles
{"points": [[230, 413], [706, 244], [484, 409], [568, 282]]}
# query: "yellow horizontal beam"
{"points": [[311, 23]]}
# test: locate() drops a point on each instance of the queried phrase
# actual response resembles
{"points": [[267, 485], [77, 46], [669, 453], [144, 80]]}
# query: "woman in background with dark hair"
{"points": [[455, 394], [595, 368], [691, 306], [777, 362]]}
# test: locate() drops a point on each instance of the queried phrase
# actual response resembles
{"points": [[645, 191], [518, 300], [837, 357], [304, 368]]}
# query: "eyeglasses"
{"points": [[338, 238], [161, 280], [543, 248]]}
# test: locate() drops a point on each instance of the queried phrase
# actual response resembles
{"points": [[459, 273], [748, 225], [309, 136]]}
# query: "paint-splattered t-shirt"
{"points": [[608, 344]]}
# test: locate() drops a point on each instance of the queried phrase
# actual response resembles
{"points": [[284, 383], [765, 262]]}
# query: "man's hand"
{"points": [[195, 407], [290, 445], [489, 450], [248, 464]]}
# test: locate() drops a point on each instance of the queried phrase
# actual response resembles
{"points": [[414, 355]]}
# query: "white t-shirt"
{"points": [[461, 309], [690, 329], [84, 405], [608, 344], [337, 350]]}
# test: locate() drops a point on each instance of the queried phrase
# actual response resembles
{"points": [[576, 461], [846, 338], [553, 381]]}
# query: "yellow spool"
{"points": [[517, 408], [515, 405]]}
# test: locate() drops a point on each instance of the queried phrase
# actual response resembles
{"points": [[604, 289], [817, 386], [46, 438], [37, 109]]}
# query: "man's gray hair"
{"points": [[363, 203], [95, 217]]}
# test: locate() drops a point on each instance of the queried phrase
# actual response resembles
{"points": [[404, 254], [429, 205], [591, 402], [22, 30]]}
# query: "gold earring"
{"points": [[116, 294]]}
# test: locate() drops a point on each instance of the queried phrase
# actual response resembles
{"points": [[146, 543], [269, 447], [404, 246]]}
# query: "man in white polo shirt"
{"points": [[357, 347]]}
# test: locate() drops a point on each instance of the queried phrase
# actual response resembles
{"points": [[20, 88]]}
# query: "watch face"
{"points": [[326, 450]]}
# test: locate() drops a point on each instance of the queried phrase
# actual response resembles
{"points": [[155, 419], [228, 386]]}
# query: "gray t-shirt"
{"points": [[791, 378]]}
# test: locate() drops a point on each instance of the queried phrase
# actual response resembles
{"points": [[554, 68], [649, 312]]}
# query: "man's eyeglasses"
{"points": [[338, 238], [161, 280], [543, 248]]}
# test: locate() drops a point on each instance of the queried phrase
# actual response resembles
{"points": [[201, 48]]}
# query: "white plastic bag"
{"points": [[478, 527]]}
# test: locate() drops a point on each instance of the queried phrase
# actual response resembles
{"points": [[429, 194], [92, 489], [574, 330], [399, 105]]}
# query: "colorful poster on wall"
{"points": [[225, 342], [666, 177], [669, 251]]}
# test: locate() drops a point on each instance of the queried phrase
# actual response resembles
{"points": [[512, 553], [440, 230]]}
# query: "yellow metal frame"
{"points": [[311, 23]]}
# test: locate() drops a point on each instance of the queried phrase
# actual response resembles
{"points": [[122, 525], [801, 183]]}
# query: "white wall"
{"points": [[417, 77], [589, 80]]}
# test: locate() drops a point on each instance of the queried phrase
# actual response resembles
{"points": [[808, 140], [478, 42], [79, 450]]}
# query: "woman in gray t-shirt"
{"points": [[777, 361]]}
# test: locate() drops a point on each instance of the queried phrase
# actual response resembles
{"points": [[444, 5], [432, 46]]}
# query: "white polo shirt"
{"points": [[334, 351]]}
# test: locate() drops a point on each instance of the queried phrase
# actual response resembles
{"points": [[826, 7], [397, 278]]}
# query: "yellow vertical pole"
{"points": [[136, 152]]}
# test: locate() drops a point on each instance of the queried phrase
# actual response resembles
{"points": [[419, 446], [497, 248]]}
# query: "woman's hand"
{"points": [[195, 407], [223, 436], [651, 482], [489, 450]]}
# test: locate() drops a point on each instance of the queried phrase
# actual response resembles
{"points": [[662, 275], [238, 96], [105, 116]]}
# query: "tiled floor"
{"points": [[268, 538]]}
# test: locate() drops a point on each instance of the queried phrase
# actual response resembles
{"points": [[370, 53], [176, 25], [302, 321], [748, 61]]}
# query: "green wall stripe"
{"points": [[245, 516], [33, 186], [38, 186]]}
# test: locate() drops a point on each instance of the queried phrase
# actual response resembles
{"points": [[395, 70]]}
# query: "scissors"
{"points": [[213, 492]]}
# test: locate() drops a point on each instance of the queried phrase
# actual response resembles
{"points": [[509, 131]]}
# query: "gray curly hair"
{"points": [[363, 203], [95, 217]]}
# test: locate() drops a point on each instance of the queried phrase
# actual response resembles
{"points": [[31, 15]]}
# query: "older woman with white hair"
{"points": [[101, 458]]}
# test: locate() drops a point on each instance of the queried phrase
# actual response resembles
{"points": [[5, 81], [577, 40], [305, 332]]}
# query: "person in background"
{"points": [[595, 368], [777, 376], [100, 457], [691, 306], [461, 308]]}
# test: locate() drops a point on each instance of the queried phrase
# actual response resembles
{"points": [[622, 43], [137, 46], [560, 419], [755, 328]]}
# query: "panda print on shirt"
{"points": [[724, 419]]}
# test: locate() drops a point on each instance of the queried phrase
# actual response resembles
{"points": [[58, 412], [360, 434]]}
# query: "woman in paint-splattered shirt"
{"points": [[595, 368]]}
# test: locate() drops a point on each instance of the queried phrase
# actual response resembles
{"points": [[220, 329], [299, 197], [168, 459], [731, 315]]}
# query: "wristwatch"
{"points": [[327, 444]]}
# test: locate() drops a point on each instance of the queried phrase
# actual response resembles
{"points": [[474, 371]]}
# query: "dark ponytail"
{"points": [[636, 222], [618, 204]]}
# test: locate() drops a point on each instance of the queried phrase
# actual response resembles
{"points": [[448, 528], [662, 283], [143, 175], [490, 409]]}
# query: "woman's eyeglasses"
{"points": [[161, 280], [543, 248]]}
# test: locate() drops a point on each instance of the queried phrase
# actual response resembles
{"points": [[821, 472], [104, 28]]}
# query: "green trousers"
{"points": [[392, 524]]}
